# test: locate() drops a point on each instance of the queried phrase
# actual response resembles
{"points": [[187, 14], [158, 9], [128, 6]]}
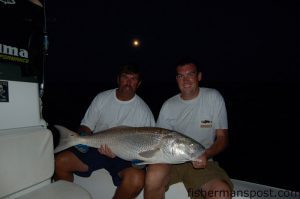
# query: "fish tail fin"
{"points": [[67, 139]]}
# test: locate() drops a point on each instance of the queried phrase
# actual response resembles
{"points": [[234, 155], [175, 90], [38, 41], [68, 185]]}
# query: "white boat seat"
{"points": [[27, 165], [99, 184], [60, 189]]}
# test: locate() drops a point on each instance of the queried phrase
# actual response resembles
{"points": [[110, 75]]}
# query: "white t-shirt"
{"points": [[107, 111], [197, 118]]}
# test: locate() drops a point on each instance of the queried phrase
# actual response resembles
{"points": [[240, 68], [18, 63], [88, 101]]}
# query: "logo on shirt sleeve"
{"points": [[206, 124]]}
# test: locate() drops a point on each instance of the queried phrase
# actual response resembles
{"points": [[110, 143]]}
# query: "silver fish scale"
{"points": [[148, 144], [128, 142]]}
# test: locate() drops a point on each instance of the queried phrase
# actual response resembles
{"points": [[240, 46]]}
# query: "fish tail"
{"points": [[67, 139]]}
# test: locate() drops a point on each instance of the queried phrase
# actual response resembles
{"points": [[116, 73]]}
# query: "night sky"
{"points": [[235, 41], [249, 51]]}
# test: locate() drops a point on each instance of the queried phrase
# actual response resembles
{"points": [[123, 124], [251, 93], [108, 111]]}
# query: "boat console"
{"points": [[26, 145]]}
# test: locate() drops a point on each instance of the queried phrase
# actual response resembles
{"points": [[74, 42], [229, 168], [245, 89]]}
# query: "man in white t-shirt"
{"points": [[116, 107], [199, 113]]}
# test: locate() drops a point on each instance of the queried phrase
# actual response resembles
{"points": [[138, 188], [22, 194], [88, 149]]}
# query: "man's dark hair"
{"points": [[188, 60], [131, 68]]}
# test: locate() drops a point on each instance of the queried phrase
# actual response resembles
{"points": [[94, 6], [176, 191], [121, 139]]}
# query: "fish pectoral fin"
{"points": [[137, 162], [140, 164], [149, 153]]}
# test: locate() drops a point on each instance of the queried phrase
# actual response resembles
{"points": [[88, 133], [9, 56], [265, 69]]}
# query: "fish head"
{"points": [[186, 149]]}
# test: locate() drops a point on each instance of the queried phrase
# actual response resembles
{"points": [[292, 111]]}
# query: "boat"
{"points": [[26, 144], [27, 157]]}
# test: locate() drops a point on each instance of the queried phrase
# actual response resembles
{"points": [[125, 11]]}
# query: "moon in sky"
{"points": [[136, 43]]}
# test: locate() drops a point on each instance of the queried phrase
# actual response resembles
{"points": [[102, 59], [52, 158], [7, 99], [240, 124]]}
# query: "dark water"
{"points": [[263, 121]]}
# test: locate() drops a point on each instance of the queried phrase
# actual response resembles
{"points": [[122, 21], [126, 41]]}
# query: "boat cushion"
{"points": [[26, 158], [59, 190]]}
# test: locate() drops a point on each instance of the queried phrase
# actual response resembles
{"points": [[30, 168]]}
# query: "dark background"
{"points": [[249, 51]]}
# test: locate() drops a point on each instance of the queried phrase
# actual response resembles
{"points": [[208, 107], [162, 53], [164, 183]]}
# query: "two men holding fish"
{"points": [[198, 112]]}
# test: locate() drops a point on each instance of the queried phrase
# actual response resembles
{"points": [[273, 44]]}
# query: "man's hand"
{"points": [[200, 162], [105, 150]]}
